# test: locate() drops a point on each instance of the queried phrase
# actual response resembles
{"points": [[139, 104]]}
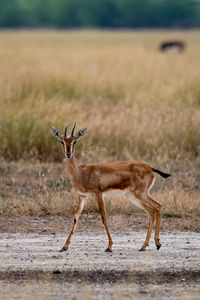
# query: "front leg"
{"points": [[104, 220], [81, 203]]}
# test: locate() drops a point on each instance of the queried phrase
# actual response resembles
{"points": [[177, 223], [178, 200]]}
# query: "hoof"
{"points": [[108, 250], [63, 249], [158, 246], [142, 249]]}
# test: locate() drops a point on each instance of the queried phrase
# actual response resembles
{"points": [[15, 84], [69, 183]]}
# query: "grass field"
{"points": [[137, 104]]}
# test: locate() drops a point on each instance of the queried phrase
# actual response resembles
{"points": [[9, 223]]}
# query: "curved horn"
{"points": [[72, 134], [66, 129]]}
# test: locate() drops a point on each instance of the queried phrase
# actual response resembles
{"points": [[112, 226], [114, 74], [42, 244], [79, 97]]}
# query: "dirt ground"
{"points": [[32, 267]]}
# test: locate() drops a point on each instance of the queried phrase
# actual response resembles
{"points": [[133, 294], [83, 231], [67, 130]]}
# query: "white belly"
{"points": [[134, 200], [121, 193], [115, 193]]}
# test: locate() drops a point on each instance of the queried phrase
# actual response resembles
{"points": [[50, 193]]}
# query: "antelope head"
{"points": [[68, 142]]}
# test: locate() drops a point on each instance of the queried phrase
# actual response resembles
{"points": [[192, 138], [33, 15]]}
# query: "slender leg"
{"points": [[79, 209], [157, 206], [141, 201], [151, 212], [104, 220]]}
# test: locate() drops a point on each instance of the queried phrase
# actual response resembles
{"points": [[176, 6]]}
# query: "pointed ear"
{"points": [[56, 133], [80, 133]]}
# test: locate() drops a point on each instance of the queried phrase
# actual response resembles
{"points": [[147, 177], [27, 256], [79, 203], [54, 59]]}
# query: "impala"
{"points": [[133, 179]]}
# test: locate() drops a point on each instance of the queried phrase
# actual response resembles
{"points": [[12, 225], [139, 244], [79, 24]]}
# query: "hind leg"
{"points": [[150, 201], [151, 213], [158, 209], [140, 201]]}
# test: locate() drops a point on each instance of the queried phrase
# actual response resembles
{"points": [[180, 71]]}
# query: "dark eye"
{"points": [[62, 143]]}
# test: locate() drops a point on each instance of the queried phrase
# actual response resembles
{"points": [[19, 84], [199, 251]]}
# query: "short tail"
{"points": [[165, 175]]}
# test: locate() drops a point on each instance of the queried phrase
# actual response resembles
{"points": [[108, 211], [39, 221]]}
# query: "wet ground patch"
{"points": [[102, 277]]}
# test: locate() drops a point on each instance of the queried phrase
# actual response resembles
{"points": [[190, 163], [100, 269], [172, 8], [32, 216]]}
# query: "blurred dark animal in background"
{"points": [[172, 46]]}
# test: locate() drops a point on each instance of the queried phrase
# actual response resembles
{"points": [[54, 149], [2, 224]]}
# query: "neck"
{"points": [[73, 168]]}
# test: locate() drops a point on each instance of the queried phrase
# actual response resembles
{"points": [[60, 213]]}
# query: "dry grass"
{"points": [[36, 189], [137, 104]]}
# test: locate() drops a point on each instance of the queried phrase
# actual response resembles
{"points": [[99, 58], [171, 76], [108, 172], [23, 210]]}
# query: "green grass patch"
{"points": [[171, 215]]}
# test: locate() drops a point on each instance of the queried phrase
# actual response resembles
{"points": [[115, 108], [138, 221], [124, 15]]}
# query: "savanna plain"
{"points": [[137, 104]]}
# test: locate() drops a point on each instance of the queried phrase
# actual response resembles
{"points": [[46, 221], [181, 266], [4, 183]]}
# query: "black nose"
{"points": [[68, 155]]}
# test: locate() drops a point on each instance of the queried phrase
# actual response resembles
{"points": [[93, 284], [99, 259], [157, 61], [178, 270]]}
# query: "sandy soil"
{"points": [[32, 267]]}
